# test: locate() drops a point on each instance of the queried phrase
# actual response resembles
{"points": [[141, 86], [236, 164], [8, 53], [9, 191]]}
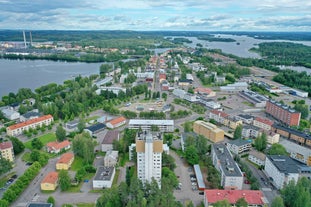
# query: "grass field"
{"points": [[77, 164], [50, 137]]}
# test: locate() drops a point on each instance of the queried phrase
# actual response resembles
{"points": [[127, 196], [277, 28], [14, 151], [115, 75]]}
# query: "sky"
{"points": [[188, 15]]}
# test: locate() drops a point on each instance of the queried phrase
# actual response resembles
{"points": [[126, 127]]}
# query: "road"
{"points": [[186, 193]]}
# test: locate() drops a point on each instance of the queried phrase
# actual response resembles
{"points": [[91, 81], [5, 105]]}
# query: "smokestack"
{"points": [[24, 39], [30, 39]]}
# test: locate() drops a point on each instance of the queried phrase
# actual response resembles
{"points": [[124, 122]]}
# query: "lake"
{"points": [[15, 74]]}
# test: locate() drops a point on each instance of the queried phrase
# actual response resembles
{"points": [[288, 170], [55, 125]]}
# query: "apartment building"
{"points": [[283, 113], [262, 123], [17, 129], [218, 116], [239, 146], [230, 173], [50, 182], [6, 151], [149, 148], [209, 130], [249, 131], [147, 124], [65, 161]]}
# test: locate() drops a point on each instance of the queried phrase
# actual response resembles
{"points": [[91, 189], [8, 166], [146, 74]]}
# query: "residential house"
{"points": [[6, 151], [147, 124], [262, 123], [256, 157], [111, 158], [115, 123], [72, 125], [108, 140], [209, 131], [50, 182], [249, 131], [57, 147], [272, 137], [281, 169], [103, 177], [239, 146], [95, 129], [297, 152], [65, 161], [232, 122]]}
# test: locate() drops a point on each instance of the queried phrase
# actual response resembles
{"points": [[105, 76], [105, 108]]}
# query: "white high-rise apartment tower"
{"points": [[149, 148]]}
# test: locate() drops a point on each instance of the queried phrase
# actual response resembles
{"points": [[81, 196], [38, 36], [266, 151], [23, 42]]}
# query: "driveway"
{"points": [[186, 193]]}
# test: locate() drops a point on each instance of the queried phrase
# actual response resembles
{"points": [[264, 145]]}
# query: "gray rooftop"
{"points": [[228, 165], [39, 205], [150, 122], [245, 116], [103, 173], [111, 136], [240, 142], [284, 163], [247, 126], [199, 176]]}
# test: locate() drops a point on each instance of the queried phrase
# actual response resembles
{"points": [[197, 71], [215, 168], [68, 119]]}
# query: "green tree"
{"points": [[64, 180], [277, 202], [5, 166], [18, 145], [223, 203], [81, 125], [51, 200], [60, 133], [277, 149], [36, 143], [192, 155], [164, 96], [4, 203], [83, 147], [303, 109], [238, 132], [35, 155], [261, 142], [168, 161], [241, 202]]}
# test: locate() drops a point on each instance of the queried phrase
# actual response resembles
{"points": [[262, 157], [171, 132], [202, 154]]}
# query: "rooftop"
{"points": [[51, 177], [292, 131], [257, 154], [199, 176], [30, 114], [228, 165], [265, 121], [245, 116], [96, 127], [65, 158], [29, 122], [240, 142], [150, 122], [103, 173], [219, 113], [58, 145], [294, 147], [110, 137], [285, 107], [284, 163], [117, 120], [252, 197], [6, 145], [203, 90]]}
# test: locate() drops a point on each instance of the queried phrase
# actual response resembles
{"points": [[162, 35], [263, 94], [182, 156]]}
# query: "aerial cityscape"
{"points": [[155, 103]]}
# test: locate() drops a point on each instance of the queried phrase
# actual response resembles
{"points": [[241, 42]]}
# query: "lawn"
{"points": [[50, 137], [77, 164], [85, 205], [26, 157], [91, 118], [124, 159], [116, 177]]}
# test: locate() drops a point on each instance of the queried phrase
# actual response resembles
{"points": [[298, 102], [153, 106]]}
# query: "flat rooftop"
{"points": [[103, 173], [150, 122], [284, 163]]}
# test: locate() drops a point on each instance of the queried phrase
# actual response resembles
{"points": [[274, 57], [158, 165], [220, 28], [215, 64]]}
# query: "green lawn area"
{"points": [[26, 157], [50, 137], [115, 179], [91, 118], [124, 159], [77, 164], [85, 204]]}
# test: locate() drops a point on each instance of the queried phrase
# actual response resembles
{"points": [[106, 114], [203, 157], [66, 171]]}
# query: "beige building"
{"points": [[6, 151], [273, 137], [209, 130], [232, 122], [262, 123], [50, 182], [65, 161]]}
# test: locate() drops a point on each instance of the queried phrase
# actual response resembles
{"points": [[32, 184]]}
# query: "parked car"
{"points": [[247, 182], [14, 176], [201, 193]]}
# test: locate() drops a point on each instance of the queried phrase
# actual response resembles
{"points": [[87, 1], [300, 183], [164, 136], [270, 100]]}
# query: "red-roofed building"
{"points": [[262, 123], [252, 197], [162, 77], [65, 161], [114, 123], [6, 151], [50, 181], [218, 116], [56, 147], [19, 128], [205, 92]]}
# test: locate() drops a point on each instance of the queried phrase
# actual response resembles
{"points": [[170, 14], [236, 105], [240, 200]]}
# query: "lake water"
{"points": [[15, 74]]}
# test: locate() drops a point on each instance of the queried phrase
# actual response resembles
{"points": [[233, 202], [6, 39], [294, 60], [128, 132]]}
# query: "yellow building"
{"points": [[65, 161], [6, 151], [209, 130], [232, 123], [50, 182]]}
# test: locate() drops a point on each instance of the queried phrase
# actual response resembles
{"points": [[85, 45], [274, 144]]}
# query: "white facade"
{"points": [[10, 114], [179, 93], [111, 158], [273, 138], [257, 157], [146, 124], [250, 131], [297, 152], [281, 169], [104, 177], [239, 146], [238, 86]]}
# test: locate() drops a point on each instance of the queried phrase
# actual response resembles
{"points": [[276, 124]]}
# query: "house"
{"points": [[218, 116], [239, 146], [209, 131], [252, 197], [104, 119], [230, 173], [72, 125], [56, 147], [281, 169], [29, 115], [108, 140], [94, 129], [115, 123], [19, 128], [6, 151], [65, 161], [262, 123], [256, 157], [50, 182], [249, 131], [184, 82], [148, 124], [111, 158], [10, 113], [103, 177], [272, 137]]}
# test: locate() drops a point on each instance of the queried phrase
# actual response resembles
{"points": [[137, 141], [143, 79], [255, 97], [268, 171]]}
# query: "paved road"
{"points": [[186, 193]]}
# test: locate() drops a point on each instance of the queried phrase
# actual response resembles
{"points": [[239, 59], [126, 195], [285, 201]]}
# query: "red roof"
{"points": [[6, 145], [252, 197], [219, 113], [162, 76], [117, 120], [51, 177], [203, 90], [29, 122], [58, 145], [265, 121], [65, 158]]}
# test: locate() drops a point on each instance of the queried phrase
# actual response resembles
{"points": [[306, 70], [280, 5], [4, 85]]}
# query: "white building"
{"points": [[104, 177], [10, 113], [149, 148], [262, 123], [238, 86], [254, 98], [147, 124], [179, 93], [210, 103], [246, 119], [115, 90], [230, 173], [281, 169], [249, 131], [109, 138], [239, 146], [111, 158], [256, 157], [297, 152], [273, 137]]}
